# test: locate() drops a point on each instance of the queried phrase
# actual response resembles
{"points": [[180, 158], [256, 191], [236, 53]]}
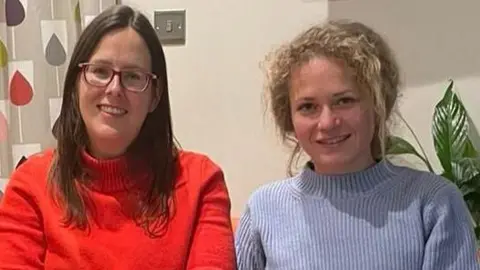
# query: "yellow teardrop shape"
{"points": [[3, 55]]}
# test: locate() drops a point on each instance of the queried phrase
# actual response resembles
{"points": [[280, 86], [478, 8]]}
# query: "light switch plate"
{"points": [[170, 26]]}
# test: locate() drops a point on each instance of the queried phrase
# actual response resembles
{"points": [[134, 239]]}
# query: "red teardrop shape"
{"points": [[21, 92], [3, 127]]}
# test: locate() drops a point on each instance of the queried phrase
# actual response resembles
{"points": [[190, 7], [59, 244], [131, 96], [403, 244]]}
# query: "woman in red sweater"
{"points": [[116, 192]]}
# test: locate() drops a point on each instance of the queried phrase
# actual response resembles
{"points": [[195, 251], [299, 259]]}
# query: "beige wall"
{"points": [[434, 41], [215, 82]]}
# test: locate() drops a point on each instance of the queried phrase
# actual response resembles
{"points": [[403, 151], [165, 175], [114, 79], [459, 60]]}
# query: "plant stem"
{"points": [[425, 158]]}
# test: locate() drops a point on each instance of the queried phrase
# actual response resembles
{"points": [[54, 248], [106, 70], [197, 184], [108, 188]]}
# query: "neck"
{"points": [[358, 165], [115, 174], [113, 151], [348, 184]]}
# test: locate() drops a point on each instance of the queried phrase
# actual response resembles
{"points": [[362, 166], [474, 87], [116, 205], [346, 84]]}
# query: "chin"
{"points": [[337, 161], [107, 132]]}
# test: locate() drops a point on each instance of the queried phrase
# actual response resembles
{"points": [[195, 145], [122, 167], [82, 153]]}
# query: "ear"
{"points": [[157, 95]]}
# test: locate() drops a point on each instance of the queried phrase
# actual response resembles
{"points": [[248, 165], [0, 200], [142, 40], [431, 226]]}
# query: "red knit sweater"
{"points": [[199, 235]]}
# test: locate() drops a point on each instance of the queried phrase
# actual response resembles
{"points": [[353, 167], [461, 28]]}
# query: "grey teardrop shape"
{"points": [[15, 12], [54, 52]]}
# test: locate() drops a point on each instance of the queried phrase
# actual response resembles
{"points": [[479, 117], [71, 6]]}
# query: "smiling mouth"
{"points": [[112, 110], [334, 140]]}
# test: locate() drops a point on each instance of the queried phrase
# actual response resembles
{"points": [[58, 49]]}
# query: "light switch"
{"points": [[170, 26]]}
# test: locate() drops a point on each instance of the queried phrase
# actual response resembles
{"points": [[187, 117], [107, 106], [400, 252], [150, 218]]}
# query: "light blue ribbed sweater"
{"points": [[384, 218]]}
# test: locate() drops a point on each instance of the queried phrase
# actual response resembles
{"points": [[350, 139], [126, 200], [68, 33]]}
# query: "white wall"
{"points": [[434, 41], [216, 83]]}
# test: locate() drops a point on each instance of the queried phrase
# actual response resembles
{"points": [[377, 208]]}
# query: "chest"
{"points": [[114, 241], [367, 235], [126, 248]]}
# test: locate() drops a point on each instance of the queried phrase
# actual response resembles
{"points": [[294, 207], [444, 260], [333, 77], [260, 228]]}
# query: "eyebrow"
{"points": [[348, 91], [307, 98], [338, 94]]}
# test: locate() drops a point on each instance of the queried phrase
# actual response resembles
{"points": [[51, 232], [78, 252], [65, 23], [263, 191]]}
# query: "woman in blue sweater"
{"points": [[331, 91]]}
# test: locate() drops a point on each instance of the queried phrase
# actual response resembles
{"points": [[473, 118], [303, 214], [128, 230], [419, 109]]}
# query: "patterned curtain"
{"points": [[36, 40]]}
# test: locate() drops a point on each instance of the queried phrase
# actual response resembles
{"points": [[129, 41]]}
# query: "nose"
{"points": [[115, 86], [327, 119]]}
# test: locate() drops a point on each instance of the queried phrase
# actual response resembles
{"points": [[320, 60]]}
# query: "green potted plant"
{"points": [[458, 157]]}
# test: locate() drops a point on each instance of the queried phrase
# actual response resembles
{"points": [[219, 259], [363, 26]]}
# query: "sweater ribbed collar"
{"points": [[113, 175], [345, 185]]}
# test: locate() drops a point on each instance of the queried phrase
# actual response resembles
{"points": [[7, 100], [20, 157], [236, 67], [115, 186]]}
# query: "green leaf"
{"points": [[475, 180], [399, 146], [470, 150], [465, 168], [471, 186], [450, 128], [448, 176], [472, 164], [471, 194], [477, 232]]}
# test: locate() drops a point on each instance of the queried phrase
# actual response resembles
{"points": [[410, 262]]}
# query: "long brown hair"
{"points": [[155, 145]]}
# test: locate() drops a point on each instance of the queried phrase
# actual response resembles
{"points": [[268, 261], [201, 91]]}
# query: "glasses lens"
{"points": [[134, 80], [98, 75]]}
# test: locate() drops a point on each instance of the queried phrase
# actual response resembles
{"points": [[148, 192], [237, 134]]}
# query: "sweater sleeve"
{"points": [[451, 239], [212, 245], [250, 254], [22, 244]]}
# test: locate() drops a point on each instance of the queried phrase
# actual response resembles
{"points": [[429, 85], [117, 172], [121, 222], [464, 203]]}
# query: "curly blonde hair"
{"points": [[361, 49]]}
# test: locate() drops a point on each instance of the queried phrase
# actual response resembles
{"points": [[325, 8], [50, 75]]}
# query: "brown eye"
{"points": [[133, 76], [306, 107], [99, 72], [345, 101]]}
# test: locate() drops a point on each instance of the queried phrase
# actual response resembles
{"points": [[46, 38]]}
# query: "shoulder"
{"points": [[37, 164], [32, 173], [37, 160], [434, 191], [275, 193], [441, 202], [196, 163], [425, 184], [196, 169], [437, 191], [194, 159]]}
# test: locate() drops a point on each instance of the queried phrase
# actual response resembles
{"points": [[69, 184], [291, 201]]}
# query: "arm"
{"points": [[22, 244], [250, 254], [451, 239], [212, 245]]}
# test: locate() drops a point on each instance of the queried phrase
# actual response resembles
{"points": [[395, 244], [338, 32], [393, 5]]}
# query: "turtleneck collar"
{"points": [[113, 175], [345, 185]]}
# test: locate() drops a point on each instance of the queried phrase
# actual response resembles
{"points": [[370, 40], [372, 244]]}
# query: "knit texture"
{"points": [[199, 234], [385, 217]]}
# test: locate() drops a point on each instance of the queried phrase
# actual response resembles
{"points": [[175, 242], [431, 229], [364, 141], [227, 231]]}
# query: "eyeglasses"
{"points": [[133, 80]]}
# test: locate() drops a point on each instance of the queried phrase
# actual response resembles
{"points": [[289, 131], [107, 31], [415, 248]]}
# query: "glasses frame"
{"points": [[84, 66]]}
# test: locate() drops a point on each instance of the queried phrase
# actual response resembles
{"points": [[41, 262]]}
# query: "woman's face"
{"points": [[333, 122], [114, 115]]}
